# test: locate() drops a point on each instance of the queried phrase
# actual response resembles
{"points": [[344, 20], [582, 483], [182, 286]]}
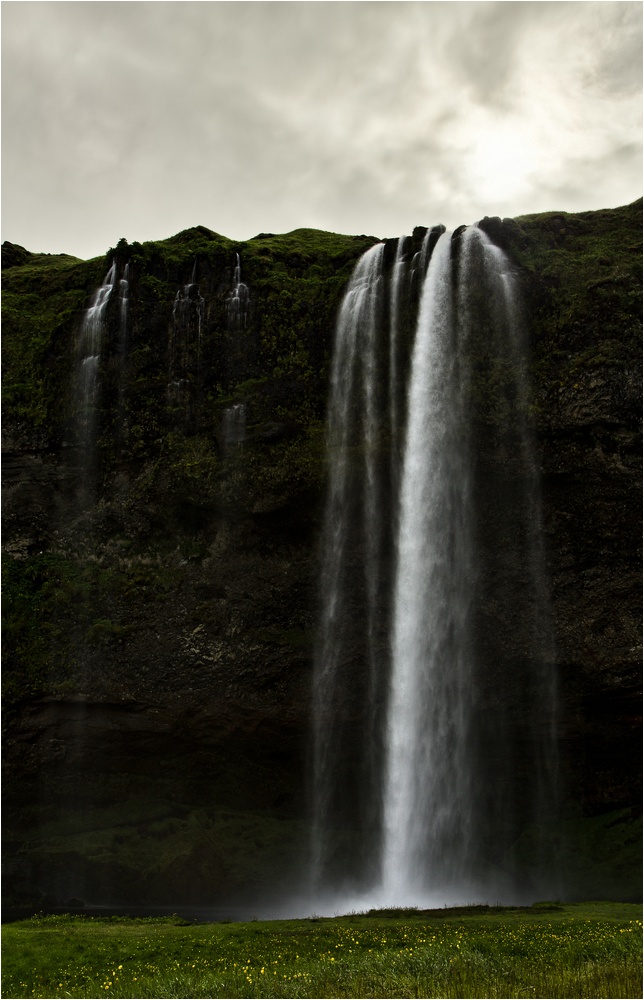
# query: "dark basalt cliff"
{"points": [[160, 607]]}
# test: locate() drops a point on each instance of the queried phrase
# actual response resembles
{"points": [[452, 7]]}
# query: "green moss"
{"points": [[50, 618], [25, 645], [193, 465], [288, 468], [585, 270], [166, 485], [602, 856], [104, 631], [36, 359], [293, 638], [152, 839]]}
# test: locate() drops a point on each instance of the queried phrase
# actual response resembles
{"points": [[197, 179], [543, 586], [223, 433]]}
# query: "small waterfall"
{"points": [[488, 268], [433, 728], [420, 259], [396, 280], [233, 428], [90, 348], [124, 295], [189, 304], [101, 333], [188, 314], [238, 300], [124, 298]]}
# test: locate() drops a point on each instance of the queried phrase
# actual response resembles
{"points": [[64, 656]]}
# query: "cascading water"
{"points": [[233, 428], [124, 297], [531, 694], [427, 795], [188, 313], [397, 277], [434, 753], [238, 299], [91, 350], [189, 303], [90, 347], [347, 772]]}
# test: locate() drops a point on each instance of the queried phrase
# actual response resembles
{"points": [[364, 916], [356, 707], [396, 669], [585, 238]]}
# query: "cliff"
{"points": [[160, 599]]}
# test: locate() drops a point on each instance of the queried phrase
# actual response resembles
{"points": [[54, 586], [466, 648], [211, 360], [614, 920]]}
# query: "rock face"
{"points": [[161, 595]]}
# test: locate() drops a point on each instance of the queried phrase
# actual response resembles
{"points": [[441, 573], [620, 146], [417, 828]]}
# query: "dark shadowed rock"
{"points": [[158, 639]]}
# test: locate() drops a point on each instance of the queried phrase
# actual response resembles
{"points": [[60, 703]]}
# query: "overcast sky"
{"points": [[142, 119]]}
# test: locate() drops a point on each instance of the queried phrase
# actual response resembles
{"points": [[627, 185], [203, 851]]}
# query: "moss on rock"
{"points": [[159, 627]]}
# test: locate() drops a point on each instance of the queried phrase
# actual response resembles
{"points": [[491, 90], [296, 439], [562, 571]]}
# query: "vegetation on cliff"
{"points": [[174, 615]]}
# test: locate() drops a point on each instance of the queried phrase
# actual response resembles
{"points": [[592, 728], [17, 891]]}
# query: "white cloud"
{"points": [[140, 119]]}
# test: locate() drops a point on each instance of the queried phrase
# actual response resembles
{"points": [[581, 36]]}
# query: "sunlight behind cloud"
{"points": [[138, 120], [501, 162]]}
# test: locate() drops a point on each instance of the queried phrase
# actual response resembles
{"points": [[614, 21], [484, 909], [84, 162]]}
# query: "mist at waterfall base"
{"points": [[434, 774]]}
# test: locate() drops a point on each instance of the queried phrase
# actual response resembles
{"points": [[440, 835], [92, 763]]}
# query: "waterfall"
{"points": [[397, 276], [188, 314], [124, 293], [427, 793], [233, 428], [124, 297], [238, 299], [434, 757], [90, 347], [353, 502], [536, 700], [189, 305]]}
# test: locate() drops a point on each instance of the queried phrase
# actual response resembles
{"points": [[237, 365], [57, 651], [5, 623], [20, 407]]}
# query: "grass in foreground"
{"points": [[573, 950]]}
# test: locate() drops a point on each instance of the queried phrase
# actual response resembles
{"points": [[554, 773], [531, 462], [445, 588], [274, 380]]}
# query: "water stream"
{"points": [[238, 300], [434, 752], [185, 348], [90, 349]]}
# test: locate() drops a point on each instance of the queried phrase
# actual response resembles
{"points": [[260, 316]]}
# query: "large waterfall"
{"points": [[434, 764]]}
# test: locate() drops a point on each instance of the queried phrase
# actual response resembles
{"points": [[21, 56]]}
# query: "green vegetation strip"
{"points": [[574, 950]]}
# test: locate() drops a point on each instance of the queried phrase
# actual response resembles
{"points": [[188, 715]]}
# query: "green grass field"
{"points": [[548, 950]]}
